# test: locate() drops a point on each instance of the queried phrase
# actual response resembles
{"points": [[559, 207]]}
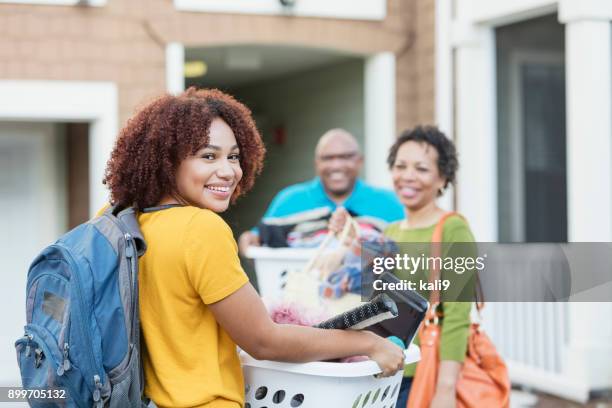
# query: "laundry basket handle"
{"points": [[342, 236]]}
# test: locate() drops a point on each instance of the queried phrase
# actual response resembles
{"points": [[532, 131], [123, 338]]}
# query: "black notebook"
{"points": [[411, 308], [382, 307]]}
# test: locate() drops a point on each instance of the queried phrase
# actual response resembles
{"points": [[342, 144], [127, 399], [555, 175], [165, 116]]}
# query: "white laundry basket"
{"points": [[271, 384], [272, 265]]}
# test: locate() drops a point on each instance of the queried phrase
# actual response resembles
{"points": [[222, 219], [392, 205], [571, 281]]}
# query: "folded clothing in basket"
{"points": [[307, 229], [274, 232], [382, 307], [348, 277]]}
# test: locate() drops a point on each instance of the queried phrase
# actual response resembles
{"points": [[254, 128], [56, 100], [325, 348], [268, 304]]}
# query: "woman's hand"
{"points": [[388, 355], [338, 219]]}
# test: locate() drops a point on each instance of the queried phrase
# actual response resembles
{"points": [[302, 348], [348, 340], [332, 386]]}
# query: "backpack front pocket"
{"points": [[41, 362], [125, 387]]}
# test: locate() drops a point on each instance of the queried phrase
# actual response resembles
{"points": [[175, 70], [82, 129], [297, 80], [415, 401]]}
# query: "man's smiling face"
{"points": [[338, 162]]}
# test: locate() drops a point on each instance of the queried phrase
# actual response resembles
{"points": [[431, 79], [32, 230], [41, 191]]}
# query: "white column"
{"points": [[475, 127], [379, 98], [102, 135], [175, 68], [589, 122], [588, 37]]}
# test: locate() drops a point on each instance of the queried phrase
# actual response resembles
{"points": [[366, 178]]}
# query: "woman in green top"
{"points": [[423, 162]]}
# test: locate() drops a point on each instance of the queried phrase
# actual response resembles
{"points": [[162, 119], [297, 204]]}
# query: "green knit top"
{"points": [[456, 321]]}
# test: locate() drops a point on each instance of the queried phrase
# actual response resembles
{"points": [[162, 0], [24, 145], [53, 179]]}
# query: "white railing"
{"points": [[533, 339]]}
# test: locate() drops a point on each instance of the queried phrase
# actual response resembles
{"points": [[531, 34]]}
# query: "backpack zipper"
{"points": [[97, 397], [28, 338], [65, 365]]}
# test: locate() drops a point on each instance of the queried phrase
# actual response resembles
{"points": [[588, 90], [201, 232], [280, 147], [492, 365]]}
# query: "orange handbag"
{"points": [[483, 380]]}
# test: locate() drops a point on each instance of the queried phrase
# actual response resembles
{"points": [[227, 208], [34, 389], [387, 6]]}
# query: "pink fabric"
{"points": [[291, 313]]}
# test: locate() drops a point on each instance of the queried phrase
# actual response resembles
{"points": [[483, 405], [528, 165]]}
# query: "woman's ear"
{"points": [[442, 187]]}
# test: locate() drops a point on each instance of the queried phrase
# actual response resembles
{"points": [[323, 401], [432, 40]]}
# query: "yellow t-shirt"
{"points": [[191, 261]]}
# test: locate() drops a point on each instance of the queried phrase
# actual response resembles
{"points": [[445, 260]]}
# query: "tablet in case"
{"points": [[411, 307]]}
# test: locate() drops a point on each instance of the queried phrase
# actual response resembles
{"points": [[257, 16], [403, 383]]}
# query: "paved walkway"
{"points": [[523, 399]]}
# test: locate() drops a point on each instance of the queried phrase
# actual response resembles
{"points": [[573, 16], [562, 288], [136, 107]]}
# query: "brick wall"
{"points": [[415, 66], [124, 42]]}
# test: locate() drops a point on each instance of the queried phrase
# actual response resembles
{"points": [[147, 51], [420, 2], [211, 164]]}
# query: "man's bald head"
{"points": [[337, 136], [338, 162]]}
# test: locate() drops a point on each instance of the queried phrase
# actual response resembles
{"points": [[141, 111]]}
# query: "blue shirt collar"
{"points": [[318, 187]]}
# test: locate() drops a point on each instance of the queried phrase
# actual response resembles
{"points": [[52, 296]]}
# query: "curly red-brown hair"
{"points": [[142, 167]]}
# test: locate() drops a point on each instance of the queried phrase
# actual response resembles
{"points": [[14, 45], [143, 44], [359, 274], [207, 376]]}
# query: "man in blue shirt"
{"points": [[338, 161]]}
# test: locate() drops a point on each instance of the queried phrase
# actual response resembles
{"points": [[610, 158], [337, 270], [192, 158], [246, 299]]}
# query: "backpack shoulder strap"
{"points": [[128, 218]]}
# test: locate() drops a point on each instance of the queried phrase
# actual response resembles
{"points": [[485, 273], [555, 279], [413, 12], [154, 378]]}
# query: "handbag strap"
{"points": [[436, 251]]}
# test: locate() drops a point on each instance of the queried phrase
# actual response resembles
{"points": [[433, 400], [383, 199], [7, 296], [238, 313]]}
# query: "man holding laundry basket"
{"points": [[338, 160]]}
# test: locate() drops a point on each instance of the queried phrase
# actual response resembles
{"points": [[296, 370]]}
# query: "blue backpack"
{"points": [[83, 327]]}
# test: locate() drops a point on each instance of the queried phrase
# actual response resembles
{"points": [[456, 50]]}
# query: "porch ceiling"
{"points": [[240, 65]]}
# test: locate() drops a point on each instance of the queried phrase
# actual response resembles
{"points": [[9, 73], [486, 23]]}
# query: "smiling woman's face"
{"points": [[208, 178], [415, 174]]}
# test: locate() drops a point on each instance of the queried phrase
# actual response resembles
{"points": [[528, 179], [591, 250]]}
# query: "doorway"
{"points": [[44, 191], [531, 127]]}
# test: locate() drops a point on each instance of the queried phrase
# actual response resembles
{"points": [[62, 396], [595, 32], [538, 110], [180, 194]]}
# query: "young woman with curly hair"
{"points": [[181, 160]]}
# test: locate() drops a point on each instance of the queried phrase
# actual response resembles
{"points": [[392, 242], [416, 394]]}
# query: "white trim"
{"points": [[592, 10], [92, 3], [76, 101], [476, 132], [379, 95], [589, 130], [175, 68], [342, 9], [495, 13]]}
